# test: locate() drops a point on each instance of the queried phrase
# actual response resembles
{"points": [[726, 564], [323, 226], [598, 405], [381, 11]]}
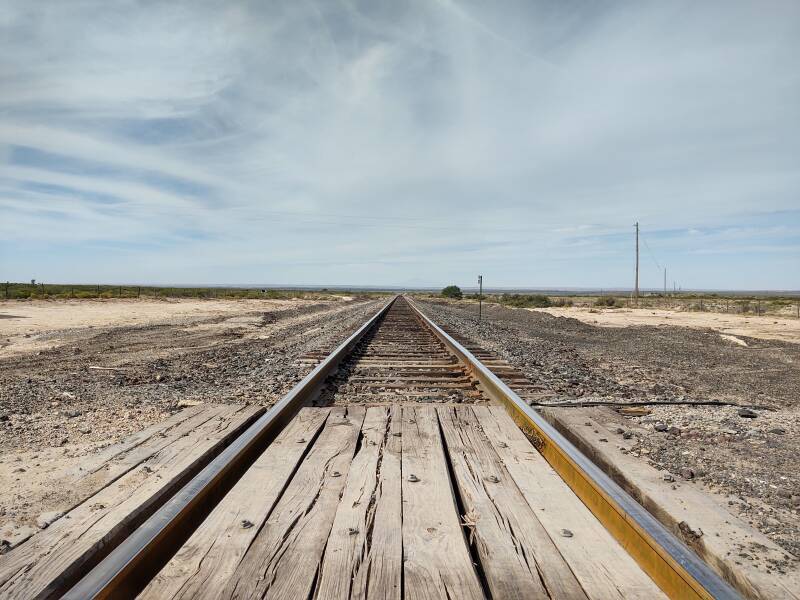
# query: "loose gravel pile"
{"points": [[748, 457]]}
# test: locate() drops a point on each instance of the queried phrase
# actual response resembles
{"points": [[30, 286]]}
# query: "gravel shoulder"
{"points": [[98, 382], [729, 325], [747, 460]]}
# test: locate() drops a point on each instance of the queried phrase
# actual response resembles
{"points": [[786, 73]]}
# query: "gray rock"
{"points": [[687, 473], [746, 413], [660, 427]]}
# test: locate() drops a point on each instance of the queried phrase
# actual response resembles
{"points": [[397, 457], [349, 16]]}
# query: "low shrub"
{"points": [[452, 291], [607, 302], [527, 300]]}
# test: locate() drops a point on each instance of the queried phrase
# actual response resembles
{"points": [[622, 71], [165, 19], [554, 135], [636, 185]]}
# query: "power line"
{"points": [[650, 252]]}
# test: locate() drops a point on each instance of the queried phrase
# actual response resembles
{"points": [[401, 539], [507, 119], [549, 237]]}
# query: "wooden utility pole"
{"points": [[636, 289]]}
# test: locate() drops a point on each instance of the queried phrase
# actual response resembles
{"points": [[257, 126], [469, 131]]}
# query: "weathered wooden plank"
{"points": [[518, 557], [437, 562], [284, 559], [600, 564], [51, 559], [137, 447], [381, 575], [89, 474], [363, 557], [203, 565]]}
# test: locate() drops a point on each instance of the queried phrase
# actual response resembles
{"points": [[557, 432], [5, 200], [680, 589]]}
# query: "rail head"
{"points": [[675, 568], [148, 547]]}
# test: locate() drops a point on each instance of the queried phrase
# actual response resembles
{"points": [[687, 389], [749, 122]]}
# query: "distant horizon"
{"points": [[423, 288]]}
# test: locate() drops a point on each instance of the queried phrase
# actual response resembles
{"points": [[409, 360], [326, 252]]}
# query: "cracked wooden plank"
{"points": [[518, 557], [437, 563], [602, 566], [203, 565], [363, 558], [47, 563], [381, 575], [90, 474], [284, 559]]}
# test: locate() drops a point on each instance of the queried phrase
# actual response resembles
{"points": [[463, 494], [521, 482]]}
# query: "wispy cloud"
{"points": [[358, 142]]}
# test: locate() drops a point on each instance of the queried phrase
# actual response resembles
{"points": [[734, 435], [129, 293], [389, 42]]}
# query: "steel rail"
{"points": [[126, 569], [678, 571]]}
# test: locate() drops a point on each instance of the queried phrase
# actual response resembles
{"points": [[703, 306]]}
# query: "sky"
{"points": [[413, 143]]}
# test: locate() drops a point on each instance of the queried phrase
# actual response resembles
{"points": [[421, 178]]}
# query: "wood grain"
{"points": [[284, 559], [437, 562], [363, 557], [203, 565], [518, 557], [42, 565], [602, 566]]}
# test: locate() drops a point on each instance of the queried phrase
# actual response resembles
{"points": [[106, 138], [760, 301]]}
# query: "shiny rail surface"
{"points": [[375, 366]]}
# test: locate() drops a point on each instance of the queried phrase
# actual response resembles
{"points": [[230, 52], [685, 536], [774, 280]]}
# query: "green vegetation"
{"points": [[562, 302], [452, 291], [526, 300], [25, 291], [607, 301]]}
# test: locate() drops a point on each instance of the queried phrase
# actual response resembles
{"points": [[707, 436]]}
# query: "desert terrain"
{"points": [[730, 326], [77, 376]]}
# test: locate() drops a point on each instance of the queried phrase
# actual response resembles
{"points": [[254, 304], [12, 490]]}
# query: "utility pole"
{"points": [[636, 292], [665, 282], [480, 297]]}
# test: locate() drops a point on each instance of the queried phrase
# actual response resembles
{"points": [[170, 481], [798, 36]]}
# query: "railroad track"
{"points": [[404, 465]]}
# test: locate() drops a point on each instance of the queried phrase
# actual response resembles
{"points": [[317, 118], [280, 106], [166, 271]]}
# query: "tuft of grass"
{"points": [[607, 302]]}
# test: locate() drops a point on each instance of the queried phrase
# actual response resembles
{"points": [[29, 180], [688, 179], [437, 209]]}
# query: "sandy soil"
{"points": [[40, 324], [93, 372], [728, 325]]}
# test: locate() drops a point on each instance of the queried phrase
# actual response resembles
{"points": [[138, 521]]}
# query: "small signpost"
{"points": [[480, 297]]}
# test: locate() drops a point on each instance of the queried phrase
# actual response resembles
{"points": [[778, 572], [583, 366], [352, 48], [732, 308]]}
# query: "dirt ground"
{"points": [[747, 460], [41, 324], [78, 376], [730, 326]]}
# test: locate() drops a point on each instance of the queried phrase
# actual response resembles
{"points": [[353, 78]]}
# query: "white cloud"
{"points": [[543, 128]]}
